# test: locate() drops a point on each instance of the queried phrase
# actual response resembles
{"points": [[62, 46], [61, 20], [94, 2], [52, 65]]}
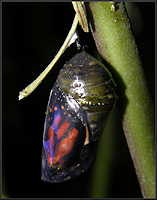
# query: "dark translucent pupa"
{"points": [[79, 106]]}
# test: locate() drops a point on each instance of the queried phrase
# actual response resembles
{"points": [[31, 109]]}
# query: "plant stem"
{"points": [[102, 168], [31, 87], [111, 30]]}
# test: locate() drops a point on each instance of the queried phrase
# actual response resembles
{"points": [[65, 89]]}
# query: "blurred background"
{"points": [[32, 33]]}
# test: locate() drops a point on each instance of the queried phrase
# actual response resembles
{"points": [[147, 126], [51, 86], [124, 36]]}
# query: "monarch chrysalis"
{"points": [[79, 105]]}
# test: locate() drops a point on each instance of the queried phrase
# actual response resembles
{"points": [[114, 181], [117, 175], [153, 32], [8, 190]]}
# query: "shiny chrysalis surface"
{"points": [[79, 105]]}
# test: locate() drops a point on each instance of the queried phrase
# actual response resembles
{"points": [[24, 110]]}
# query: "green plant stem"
{"points": [[31, 87], [111, 30], [102, 168]]}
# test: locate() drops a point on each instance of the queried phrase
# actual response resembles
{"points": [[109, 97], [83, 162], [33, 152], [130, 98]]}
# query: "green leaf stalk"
{"points": [[114, 40]]}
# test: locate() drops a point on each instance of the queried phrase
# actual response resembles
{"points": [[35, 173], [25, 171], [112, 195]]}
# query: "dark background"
{"points": [[32, 33]]}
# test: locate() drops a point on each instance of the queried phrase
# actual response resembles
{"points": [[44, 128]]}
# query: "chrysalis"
{"points": [[79, 106]]}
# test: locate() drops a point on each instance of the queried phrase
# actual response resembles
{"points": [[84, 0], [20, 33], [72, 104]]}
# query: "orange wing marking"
{"points": [[62, 129], [65, 146]]}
